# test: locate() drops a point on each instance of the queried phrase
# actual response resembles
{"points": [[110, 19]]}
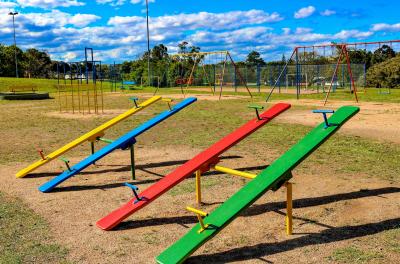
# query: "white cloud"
{"points": [[216, 21], [64, 35], [386, 27], [304, 12], [58, 18], [328, 12], [301, 30], [111, 2], [346, 34], [122, 2], [70, 56], [286, 31], [7, 5], [48, 4], [82, 20]]}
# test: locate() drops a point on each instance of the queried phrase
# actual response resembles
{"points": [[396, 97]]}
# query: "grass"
{"points": [[367, 95], [24, 236], [191, 128], [392, 240], [354, 255]]}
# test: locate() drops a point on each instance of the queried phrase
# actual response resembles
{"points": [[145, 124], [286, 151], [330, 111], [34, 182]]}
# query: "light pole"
{"points": [[13, 14], [148, 42]]}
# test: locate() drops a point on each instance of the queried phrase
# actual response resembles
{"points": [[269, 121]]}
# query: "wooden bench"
{"points": [[127, 85], [23, 88]]}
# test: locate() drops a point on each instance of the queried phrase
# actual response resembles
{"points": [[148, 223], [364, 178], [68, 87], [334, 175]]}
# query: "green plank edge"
{"points": [[268, 179]]}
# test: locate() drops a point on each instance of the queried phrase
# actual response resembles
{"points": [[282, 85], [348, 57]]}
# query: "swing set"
{"points": [[209, 69], [340, 51]]}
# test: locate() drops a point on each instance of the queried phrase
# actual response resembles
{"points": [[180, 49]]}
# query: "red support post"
{"points": [[334, 73], [350, 72]]}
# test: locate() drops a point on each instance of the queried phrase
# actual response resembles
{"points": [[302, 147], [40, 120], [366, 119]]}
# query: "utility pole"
{"points": [[13, 14], [148, 43]]}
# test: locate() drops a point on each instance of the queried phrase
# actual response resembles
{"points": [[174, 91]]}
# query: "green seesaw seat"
{"points": [[273, 177]]}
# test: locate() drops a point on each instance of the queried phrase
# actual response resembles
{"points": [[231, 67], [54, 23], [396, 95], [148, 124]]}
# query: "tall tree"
{"points": [[7, 61], [254, 59], [382, 54], [159, 52], [36, 63]]}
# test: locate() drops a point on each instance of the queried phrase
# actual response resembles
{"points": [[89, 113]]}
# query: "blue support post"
{"points": [[324, 113], [124, 142]]}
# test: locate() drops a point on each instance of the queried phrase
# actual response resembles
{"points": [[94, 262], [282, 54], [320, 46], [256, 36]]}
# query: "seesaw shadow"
{"points": [[138, 181], [124, 168], [323, 237], [261, 209]]}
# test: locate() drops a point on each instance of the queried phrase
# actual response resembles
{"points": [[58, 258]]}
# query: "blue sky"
{"points": [[115, 29]]}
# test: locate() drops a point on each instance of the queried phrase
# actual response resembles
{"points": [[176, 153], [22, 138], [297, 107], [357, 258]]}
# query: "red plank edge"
{"points": [[203, 159]]}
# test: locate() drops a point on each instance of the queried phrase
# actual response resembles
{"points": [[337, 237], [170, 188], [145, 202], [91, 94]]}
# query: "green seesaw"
{"points": [[273, 177]]}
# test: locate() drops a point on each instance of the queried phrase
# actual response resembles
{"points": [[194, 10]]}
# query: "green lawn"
{"points": [[369, 95], [24, 236]]}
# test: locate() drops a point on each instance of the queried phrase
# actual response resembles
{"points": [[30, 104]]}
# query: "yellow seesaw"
{"points": [[91, 136]]}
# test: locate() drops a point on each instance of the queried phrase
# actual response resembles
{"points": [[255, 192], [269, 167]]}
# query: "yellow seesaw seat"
{"points": [[90, 136]]}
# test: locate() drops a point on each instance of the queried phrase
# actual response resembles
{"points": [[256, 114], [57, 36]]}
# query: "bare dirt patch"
{"points": [[376, 120], [109, 113], [330, 210]]}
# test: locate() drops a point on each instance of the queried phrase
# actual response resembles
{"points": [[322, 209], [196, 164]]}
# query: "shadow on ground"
{"points": [[261, 209], [326, 236]]}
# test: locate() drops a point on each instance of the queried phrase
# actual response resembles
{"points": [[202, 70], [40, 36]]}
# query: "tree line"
{"points": [[32, 63], [382, 65]]}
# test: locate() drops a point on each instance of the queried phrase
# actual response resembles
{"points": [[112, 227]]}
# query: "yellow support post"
{"points": [[168, 101], [289, 209], [235, 172], [198, 187], [90, 136], [200, 214]]}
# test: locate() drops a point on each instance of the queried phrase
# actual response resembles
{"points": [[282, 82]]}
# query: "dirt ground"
{"points": [[327, 212], [331, 210], [376, 120]]}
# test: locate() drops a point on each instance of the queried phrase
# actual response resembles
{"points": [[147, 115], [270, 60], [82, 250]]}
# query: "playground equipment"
{"points": [[214, 69], [80, 90], [126, 141], [198, 164], [90, 136], [340, 52], [300, 55], [273, 177]]}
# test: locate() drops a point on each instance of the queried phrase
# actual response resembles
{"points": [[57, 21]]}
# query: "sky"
{"points": [[116, 29]]}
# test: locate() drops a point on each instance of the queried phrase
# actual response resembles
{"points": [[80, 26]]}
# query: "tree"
{"points": [[36, 63], [254, 59], [159, 52], [382, 54], [7, 61], [385, 74], [126, 67], [361, 56], [183, 47]]}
